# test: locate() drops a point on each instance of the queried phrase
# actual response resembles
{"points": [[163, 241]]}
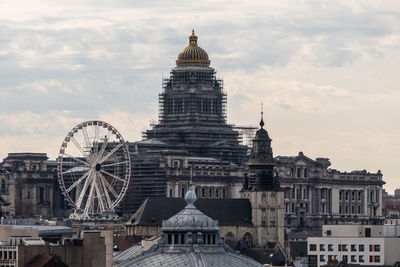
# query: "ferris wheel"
{"points": [[94, 169]]}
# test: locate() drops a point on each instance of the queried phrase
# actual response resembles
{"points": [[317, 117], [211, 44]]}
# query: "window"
{"points": [[170, 193], [359, 195], [367, 232], [352, 209], [371, 248], [322, 258], [353, 258], [377, 258], [28, 196], [347, 195], [353, 247], [342, 247], [330, 257], [347, 209], [305, 173], [340, 209], [359, 209], [340, 195], [313, 247], [298, 173], [41, 194], [378, 248], [223, 193], [3, 186], [345, 258], [216, 193], [210, 192], [330, 247], [361, 247], [203, 192], [361, 258], [182, 192], [321, 247], [352, 195], [371, 258]]}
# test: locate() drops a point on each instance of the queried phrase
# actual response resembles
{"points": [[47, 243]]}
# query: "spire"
{"points": [[262, 115], [190, 196]]}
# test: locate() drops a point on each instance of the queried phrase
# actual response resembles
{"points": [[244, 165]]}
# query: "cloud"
{"points": [[320, 68]]}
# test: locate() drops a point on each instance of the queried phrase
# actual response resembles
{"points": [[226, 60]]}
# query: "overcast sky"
{"points": [[327, 71]]}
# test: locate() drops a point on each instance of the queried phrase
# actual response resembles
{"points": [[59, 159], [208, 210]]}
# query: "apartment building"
{"points": [[356, 244]]}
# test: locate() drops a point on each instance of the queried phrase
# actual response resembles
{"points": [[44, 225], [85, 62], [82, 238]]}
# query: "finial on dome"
{"points": [[190, 196], [262, 115], [193, 39]]}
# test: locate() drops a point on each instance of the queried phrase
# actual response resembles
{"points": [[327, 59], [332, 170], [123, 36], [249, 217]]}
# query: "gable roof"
{"points": [[226, 211]]}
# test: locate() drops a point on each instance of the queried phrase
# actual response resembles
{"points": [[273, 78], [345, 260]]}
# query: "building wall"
{"points": [[316, 195], [89, 252], [30, 185], [268, 215]]}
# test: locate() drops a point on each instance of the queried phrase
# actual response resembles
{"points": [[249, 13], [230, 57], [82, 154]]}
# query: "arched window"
{"points": [[230, 235], [248, 238], [3, 186]]}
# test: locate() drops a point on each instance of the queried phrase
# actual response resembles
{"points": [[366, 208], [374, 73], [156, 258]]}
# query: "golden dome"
{"points": [[193, 55]]}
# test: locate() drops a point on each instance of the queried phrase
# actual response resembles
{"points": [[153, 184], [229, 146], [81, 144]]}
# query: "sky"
{"points": [[326, 71]]}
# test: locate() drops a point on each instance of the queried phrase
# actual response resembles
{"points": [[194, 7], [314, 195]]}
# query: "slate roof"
{"points": [[227, 211]]}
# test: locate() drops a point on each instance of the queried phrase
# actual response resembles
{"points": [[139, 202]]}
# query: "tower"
{"points": [[262, 188], [192, 110]]}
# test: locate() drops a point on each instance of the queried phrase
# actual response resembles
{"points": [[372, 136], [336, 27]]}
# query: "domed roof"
{"points": [[184, 243], [223, 257], [190, 218], [193, 55]]}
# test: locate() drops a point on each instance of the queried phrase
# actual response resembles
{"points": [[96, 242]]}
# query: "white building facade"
{"points": [[355, 244]]}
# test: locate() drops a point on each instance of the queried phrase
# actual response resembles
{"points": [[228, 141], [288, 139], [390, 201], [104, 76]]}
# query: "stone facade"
{"points": [[316, 195], [29, 183]]}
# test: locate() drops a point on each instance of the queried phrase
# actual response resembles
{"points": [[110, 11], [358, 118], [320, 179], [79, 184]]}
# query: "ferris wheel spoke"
{"points": [[76, 159], [77, 145], [99, 196], [113, 176], [111, 152], [110, 188], [86, 137], [89, 201], [117, 163], [96, 132], [76, 169], [77, 182], [83, 192], [109, 202], [103, 146]]}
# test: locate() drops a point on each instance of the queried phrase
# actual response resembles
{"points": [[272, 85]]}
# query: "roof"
{"points": [[45, 260], [186, 259], [154, 210], [47, 231], [33, 241], [152, 142], [272, 256], [128, 253]]}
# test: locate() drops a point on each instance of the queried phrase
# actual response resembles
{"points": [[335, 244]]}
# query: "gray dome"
{"points": [[192, 259], [190, 219], [190, 239]]}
